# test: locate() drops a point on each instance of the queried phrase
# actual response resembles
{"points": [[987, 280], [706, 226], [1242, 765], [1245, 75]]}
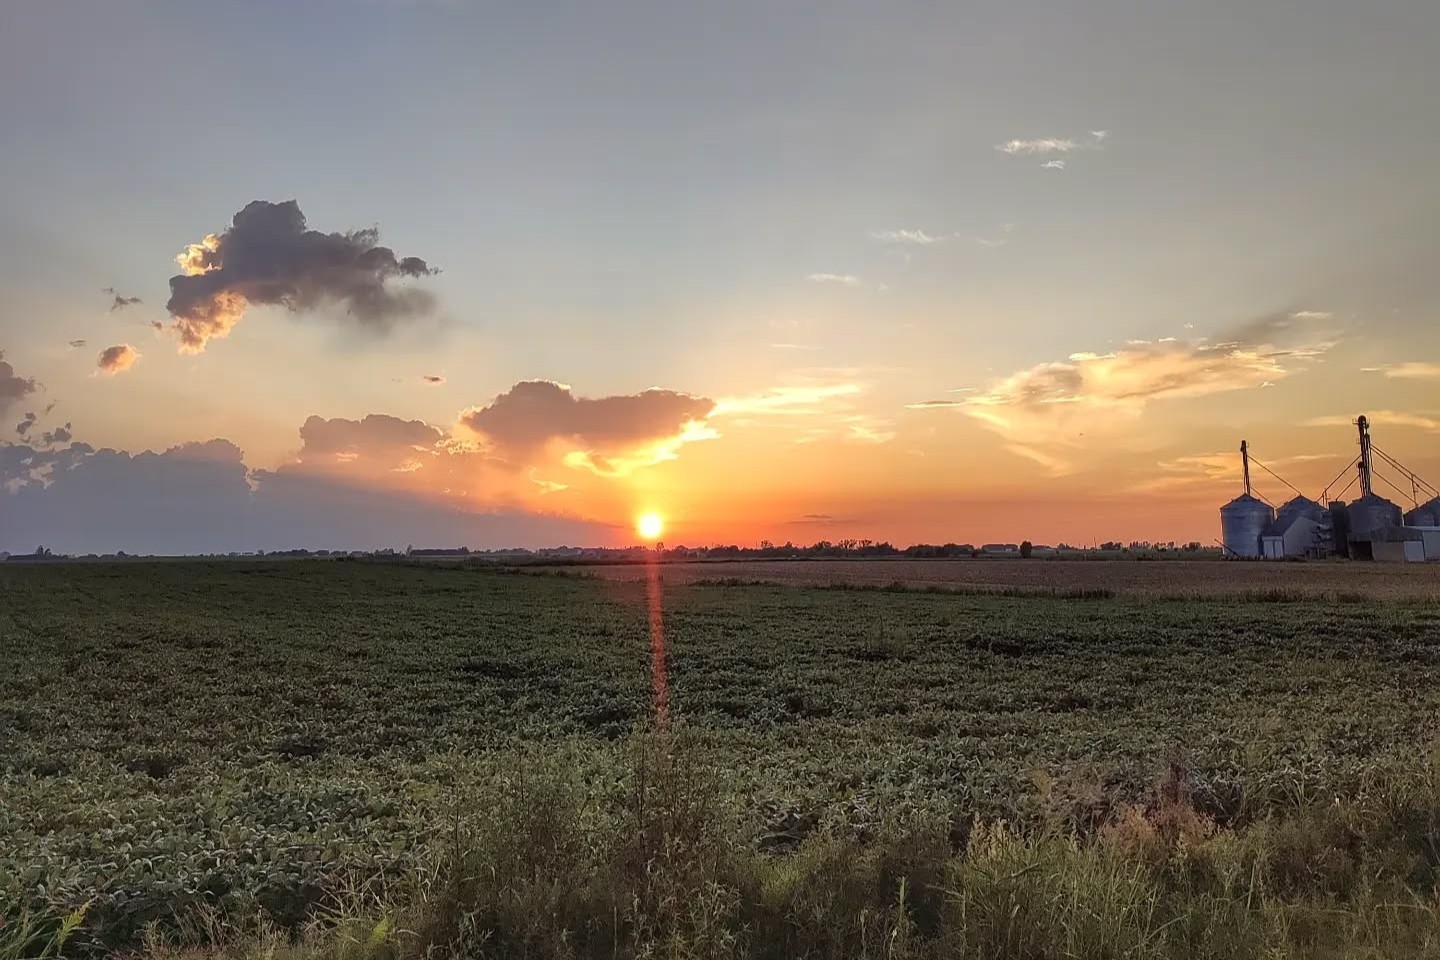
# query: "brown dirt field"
{"points": [[1199, 578]]}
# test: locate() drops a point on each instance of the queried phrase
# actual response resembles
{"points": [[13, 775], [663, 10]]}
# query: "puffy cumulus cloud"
{"points": [[117, 359], [26, 422], [377, 439], [201, 498], [610, 435], [268, 256], [13, 387], [61, 434], [191, 498], [1048, 407]]}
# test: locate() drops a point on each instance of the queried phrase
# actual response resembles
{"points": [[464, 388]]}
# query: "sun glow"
{"points": [[650, 526]]}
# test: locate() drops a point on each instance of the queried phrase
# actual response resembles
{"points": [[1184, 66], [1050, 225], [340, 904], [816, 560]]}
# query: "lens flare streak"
{"points": [[659, 680]]}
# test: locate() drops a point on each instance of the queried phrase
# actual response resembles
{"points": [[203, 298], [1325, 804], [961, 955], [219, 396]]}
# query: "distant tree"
{"points": [[1026, 548]]}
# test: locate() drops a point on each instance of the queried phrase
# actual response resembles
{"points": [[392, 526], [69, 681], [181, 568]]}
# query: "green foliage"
{"points": [[368, 757]]}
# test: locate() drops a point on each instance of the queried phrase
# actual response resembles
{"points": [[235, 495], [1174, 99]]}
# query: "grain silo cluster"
{"points": [[1370, 527]]}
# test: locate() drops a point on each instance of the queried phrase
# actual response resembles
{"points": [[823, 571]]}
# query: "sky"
{"points": [[515, 274]]}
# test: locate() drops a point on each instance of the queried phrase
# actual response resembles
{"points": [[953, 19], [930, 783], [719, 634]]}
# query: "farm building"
{"points": [[1295, 534], [1370, 527]]}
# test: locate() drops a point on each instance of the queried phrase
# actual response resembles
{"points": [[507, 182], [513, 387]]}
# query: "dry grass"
{"points": [[557, 868]]}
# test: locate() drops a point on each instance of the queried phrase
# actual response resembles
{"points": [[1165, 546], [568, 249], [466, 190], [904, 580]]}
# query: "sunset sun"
{"points": [[650, 525]]}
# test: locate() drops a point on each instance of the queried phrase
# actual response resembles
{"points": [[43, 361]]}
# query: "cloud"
{"points": [[1053, 165], [117, 359], [1053, 404], [202, 498], [13, 388], [268, 257], [1210, 470], [992, 242], [434, 379], [844, 279], [801, 399], [1380, 418], [376, 438], [1038, 145], [58, 435], [919, 237], [1100, 135], [1413, 371], [1312, 315], [120, 302], [23, 427], [77, 344], [609, 435]]}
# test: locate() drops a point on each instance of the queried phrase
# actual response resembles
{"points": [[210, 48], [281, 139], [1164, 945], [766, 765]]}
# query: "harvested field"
{"points": [[1189, 578]]}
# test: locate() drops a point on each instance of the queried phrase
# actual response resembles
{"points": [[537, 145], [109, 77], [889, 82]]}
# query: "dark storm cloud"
{"points": [[13, 387], [534, 412], [120, 302], [268, 256], [23, 427]]}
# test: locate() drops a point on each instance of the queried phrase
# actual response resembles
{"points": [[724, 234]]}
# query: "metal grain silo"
{"points": [[1302, 505], [1370, 514], [1425, 515], [1242, 520]]}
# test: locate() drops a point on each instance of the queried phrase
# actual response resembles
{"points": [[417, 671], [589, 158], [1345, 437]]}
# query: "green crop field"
{"points": [[238, 738]]}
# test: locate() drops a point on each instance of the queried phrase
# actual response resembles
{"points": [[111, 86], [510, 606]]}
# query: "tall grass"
{"points": [[660, 863]]}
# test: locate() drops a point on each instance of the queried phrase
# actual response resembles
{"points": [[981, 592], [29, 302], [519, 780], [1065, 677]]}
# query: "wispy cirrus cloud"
{"points": [[1038, 145], [1033, 146], [1053, 165], [843, 279], [1381, 418], [1046, 408], [917, 237], [1412, 370], [1210, 470], [119, 301]]}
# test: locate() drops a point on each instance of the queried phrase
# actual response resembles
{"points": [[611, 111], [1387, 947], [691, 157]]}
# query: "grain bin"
{"points": [[1303, 506], [1242, 520], [1425, 515], [1371, 514]]}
